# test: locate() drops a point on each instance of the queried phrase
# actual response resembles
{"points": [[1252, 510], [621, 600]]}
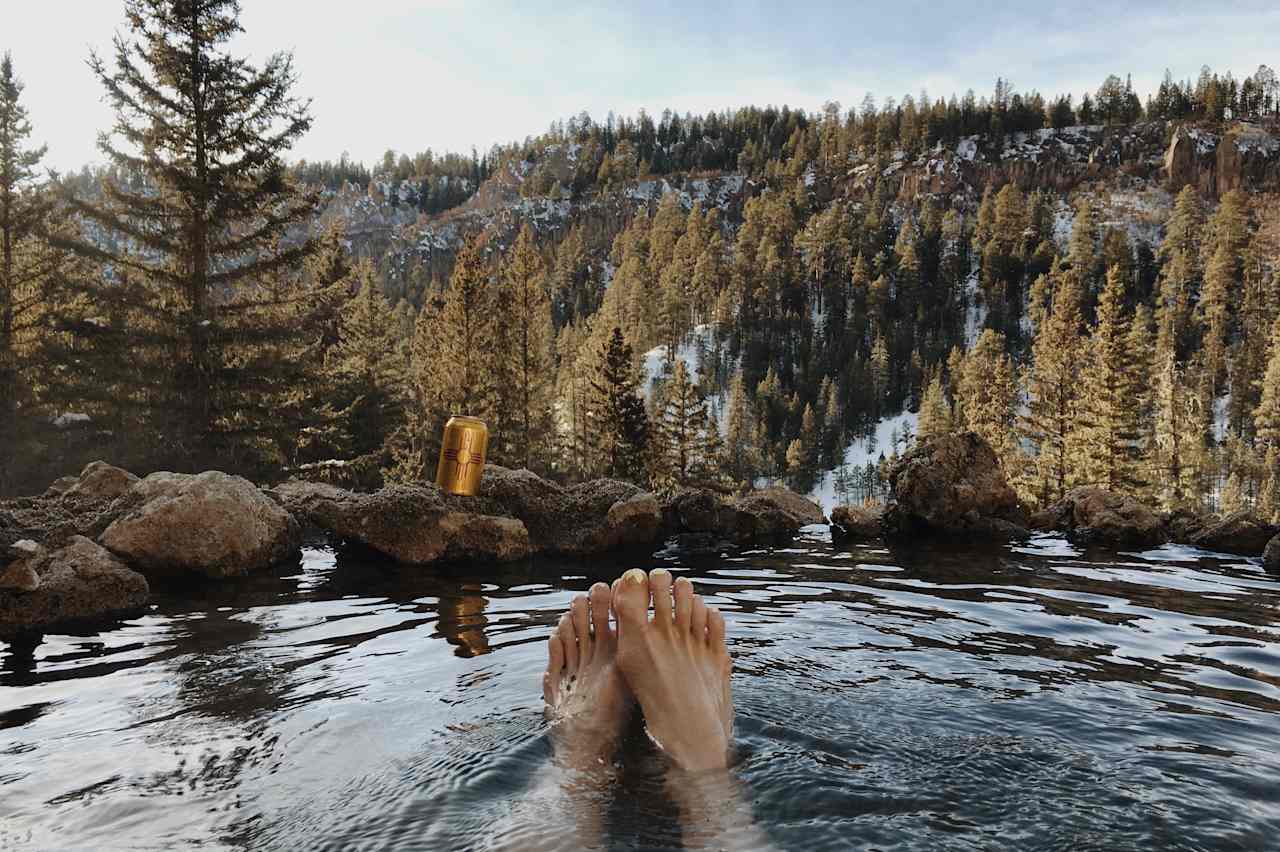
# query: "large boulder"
{"points": [[952, 485], [1238, 532], [211, 524], [857, 523], [411, 524], [80, 580], [769, 514], [1095, 516], [1271, 556]]}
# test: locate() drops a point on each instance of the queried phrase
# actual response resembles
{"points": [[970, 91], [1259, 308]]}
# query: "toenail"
{"points": [[663, 571], [635, 575]]}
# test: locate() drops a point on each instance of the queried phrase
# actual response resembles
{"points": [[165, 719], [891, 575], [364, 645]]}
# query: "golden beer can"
{"points": [[462, 452]]}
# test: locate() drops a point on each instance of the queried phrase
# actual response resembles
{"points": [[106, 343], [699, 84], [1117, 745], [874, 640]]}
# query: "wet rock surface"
{"points": [[1238, 532], [1095, 516], [1271, 556], [210, 524], [952, 485], [80, 580], [409, 523], [857, 523]]}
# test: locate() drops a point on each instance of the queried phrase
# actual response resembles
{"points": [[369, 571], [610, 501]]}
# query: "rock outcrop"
{"points": [[1246, 156], [517, 513], [857, 523], [1238, 532], [1096, 516], [413, 524], [1271, 556], [952, 485], [80, 580], [210, 524]]}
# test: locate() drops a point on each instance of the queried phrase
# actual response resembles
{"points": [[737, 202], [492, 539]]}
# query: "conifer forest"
{"points": [[1090, 281]]}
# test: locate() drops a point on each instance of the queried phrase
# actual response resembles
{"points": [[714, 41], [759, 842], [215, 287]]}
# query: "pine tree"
{"points": [[619, 425], [523, 341], [681, 432], [1052, 391], [935, 413], [26, 265], [986, 388], [1109, 428], [200, 269], [366, 367], [1266, 418], [739, 448]]}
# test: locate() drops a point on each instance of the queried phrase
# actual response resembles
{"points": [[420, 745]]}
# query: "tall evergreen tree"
{"points": [[1109, 427], [1052, 391], [523, 347], [202, 268], [620, 430], [26, 264]]}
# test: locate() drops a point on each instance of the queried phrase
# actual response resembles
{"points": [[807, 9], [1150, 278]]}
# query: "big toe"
{"points": [[631, 598]]}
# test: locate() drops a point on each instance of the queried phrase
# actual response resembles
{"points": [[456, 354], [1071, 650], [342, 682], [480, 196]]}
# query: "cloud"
{"points": [[449, 74]]}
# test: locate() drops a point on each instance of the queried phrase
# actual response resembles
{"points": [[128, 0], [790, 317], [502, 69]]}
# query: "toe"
{"points": [[581, 622], [715, 627], [660, 591], [683, 594], [698, 618], [555, 665], [631, 599], [600, 612], [569, 641]]}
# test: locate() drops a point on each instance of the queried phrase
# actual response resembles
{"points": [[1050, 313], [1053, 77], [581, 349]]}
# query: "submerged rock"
{"points": [[857, 523], [952, 485], [80, 580], [409, 523], [211, 524], [1239, 532], [1091, 515]]}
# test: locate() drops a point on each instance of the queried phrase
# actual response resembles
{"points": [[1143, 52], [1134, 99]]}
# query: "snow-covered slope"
{"points": [[891, 433]]}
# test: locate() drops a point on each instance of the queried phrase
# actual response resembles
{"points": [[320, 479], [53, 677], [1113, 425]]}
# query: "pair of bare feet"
{"points": [[673, 663]]}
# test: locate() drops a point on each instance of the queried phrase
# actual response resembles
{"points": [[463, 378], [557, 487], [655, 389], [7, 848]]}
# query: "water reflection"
{"points": [[1028, 697]]}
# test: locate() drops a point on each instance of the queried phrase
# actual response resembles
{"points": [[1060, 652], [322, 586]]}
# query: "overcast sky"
{"points": [[449, 74]]}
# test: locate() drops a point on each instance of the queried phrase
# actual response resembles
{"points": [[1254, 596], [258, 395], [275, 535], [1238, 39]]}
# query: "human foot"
{"points": [[588, 702], [677, 666]]}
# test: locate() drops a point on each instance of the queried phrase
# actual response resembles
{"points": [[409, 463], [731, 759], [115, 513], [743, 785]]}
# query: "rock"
{"points": [[1239, 532], [409, 523], [591, 517], [1092, 515], [952, 485], [770, 513], [60, 486], [1271, 556], [1182, 524], [697, 510], [21, 575], [857, 523], [100, 481], [210, 523], [77, 581]]}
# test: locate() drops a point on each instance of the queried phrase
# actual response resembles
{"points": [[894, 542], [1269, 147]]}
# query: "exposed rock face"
{"points": [[1091, 515], [1238, 532], [857, 523], [209, 523], [99, 481], [411, 524], [1245, 157], [1271, 556], [79, 580], [952, 485]]}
